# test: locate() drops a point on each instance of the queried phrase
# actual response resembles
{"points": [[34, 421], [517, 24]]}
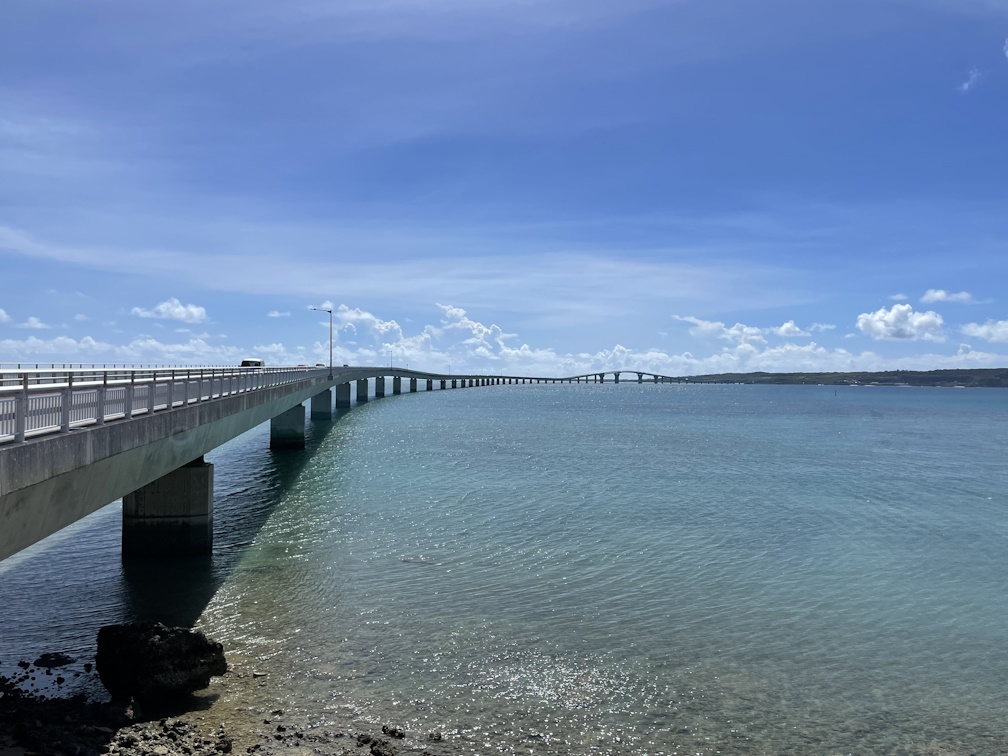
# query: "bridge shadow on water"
{"points": [[176, 590]]}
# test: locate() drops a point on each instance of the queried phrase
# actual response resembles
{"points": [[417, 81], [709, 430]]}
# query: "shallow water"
{"points": [[593, 569]]}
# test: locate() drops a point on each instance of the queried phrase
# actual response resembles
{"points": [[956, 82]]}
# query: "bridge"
{"points": [[74, 439]]}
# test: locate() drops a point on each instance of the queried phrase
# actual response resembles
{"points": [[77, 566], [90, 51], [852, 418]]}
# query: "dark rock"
{"points": [[23, 664], [153, 663], [87, 666], [395, 732], [382, 748], [363, 739], [435, 736], [54, 660]]}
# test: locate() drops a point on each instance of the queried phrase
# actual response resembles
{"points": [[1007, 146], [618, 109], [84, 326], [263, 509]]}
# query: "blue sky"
{"points": [[557, 186]]}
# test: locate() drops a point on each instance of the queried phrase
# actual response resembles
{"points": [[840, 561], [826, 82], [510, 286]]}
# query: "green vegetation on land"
{"points": [[985, 378]]}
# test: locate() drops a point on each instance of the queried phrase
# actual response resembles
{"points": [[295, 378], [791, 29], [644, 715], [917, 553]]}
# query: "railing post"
{"points": [[185, 391], [129, 395], [199, 392], [100, 405], [67, 403], [21, 412], [152, 389], [171, 390]]}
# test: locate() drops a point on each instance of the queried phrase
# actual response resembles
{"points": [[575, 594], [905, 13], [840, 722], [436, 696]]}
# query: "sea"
{"points": [[588, 569]]}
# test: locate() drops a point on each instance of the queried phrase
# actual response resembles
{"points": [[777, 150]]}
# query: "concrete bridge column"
{"points": [[379, 387], [397, 385], [453, 383], [656, 379], [342, 395], [172, 515], [616, 377], [640, 377], [430, 384], [287, 429], [362, 395], [412, 385], [321, 406], [443, 383]]}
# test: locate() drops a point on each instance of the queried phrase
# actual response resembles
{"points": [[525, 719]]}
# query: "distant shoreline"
{"points": [[978, 378]]}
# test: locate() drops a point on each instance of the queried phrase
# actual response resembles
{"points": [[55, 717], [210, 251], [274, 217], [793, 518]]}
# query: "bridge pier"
{"points": [[640, 377], [342, 395], [362, 390], [171, 516], [616, 377], [413, 385], [430, 384], [321, 406], [287, 429], [454, 383], [397, 385], [443, 382], [379, 387]]}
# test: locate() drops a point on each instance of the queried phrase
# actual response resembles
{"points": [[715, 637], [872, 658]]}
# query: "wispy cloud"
{"points": [[173, 309], [940, 295], [277, 314], [972, 79], [898, 297], [33, 323]]}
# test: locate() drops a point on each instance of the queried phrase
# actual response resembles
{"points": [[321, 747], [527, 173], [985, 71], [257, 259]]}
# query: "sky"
{"points": [[506, 186]]}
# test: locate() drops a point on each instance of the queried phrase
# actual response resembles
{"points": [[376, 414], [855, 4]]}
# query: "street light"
{"points": [[329, 310]]}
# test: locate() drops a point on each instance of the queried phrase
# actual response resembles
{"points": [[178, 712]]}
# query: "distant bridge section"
{"points": [[72, 441]]}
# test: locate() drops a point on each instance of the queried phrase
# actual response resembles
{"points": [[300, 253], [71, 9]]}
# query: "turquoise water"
{"points": [[594, 569]]}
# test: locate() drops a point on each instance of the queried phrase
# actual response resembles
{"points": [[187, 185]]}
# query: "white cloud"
{"points": [[34, 323], [901, 322], [277, 314], [4, 317], [990, 331], [898, 297], [80, 317], [789, 330], [1006, 48], [738, 333], [940, 295], [172, 309], [822, 327], [972, 79]]}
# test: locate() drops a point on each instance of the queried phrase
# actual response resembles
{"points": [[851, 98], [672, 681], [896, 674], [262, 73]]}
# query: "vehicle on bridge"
{"points": [[252, 362]]}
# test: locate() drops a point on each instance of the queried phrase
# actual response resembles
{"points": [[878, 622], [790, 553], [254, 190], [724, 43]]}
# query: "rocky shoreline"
{"points": [[32, 723]]}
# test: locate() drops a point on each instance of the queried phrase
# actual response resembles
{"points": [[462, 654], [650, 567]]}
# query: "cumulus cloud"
{"points": [[789, 330], [738, 333], [277, 314], [940, 295], [992, 330], [972, 79], [4, 317], [901, 322], [34, 323], [173, 309]]}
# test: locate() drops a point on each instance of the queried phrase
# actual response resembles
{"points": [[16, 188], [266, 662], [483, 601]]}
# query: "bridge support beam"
{"points": [[321, 406], [379, 387], [362, 390], [171, 516], [342, 395], [287, 429]]}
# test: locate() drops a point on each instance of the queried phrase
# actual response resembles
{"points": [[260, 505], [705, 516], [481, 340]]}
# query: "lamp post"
{"points": [[329, 310]]}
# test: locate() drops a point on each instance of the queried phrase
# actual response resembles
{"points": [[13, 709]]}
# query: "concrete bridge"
{"points": [[74, 440]]}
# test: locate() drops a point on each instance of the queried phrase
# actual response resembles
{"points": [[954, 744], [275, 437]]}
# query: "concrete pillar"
{"points": [[616, 377], [379, 387], [412, 385], [362, 395], [321, 406], [453, 383], [342, 395], [287, 429], [656, 379], [443, 382], [430, 385], [397, 385], [171, 516], [470, 383], [640, 377]]}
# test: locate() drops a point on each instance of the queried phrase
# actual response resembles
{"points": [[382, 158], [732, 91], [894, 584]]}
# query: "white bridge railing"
{"points": [[37, 402]]}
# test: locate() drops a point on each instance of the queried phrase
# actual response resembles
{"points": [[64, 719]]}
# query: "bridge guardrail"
{"points": [[39, 402]]}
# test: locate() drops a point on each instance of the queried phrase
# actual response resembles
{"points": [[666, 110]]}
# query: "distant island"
{"points": [[978, 378]]}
